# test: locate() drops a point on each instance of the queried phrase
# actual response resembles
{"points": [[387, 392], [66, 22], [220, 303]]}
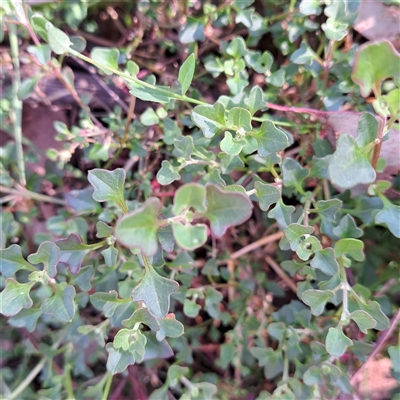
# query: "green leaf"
{"points": [[118, 360], [270, 359], [72, 252], [375, 62], [83, 278], [122, 340], [155, 291], [105, 57], [139, 228], [209, 118], [143, 316], [26, 319], [374, 310], [347, 228], [255, 101], [352, 247], [317, 299], [58, 40], [226, 209], [232, 145], [282, 214], [192, 31], [367, 129], [336, 342], [325, 261], [191, 195], [363, 320], [106, 302], [108, 185], [27, 87], [186, 72], [149, 117], [293, 173], [184, 147], [110, 255], [49, 254], [103, 230], [294, 233], [11, 261], [15, 297], [389, 216], [349, 165], [239, 119], [170, 327], [270, 139], [158, 94], [81, 201], [394, 353], [237, 47], [327, 209], [61, 304], [175, 372], [190, 308], [168, 173], [303, 55], [267, 194], [190, 237], [307, 247]]}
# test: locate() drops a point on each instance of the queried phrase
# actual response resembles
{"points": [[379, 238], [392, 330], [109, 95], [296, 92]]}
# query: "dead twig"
{"points": [[278, 270]]}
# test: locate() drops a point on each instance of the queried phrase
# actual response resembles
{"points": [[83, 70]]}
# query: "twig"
{"points": [[379, 140], [278, 270], [257, 244], [22, 192], [16, 114], [381, 342]]}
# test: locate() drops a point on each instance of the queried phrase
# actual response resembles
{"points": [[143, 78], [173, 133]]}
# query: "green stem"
{"points": [[345, 287], [16, 113], [285, 375], [68, 383], [107, 386]]}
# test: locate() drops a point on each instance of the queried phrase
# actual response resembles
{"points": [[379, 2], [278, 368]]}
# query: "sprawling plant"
{"points": [[139, 273]]}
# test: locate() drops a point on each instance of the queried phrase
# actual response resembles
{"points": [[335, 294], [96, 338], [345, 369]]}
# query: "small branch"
{"points": [[381, 342], [278, 270], [107, 387], [377, 148], [22, 192], [256, 245]]}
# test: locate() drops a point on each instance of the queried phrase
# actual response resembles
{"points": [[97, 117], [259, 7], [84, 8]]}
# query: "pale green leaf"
{"points": [[336, 342], [61, 304], [317, 299], [190, 237], [191, 195], [15, 297], [186, 72]]}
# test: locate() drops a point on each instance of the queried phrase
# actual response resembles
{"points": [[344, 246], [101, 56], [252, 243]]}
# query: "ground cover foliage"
{"points": [[225, 227]]}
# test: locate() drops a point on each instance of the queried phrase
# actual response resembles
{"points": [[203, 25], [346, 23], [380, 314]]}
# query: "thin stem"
{"points": [[22, 192], [285, 374], [278, 270], [107, 386], [377, 148], [345, 287], [68, 383], [16, 113]]}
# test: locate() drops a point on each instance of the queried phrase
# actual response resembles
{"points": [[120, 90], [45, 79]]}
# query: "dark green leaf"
{"points": [[282, 214], [270, 359], [158, 94], [293, 173], [325, 261], [367, 130], [155, 291], [225, 209], [347, 228], [184, 147], [270, 139], [267, 194], [394, 353], [139, 228]]}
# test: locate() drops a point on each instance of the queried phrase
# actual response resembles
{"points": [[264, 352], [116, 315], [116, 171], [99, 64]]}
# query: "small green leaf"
{"points": [[347, 228], [293, 173], [226, 209], [186, 72], [191, 195], [184, 147], [367, 130], [353, 247], [108, 185], [118, 360], [349, 165], [270, 139], [232, 145], [83, 278], [303, 55], [110, 255], [170, 327], [307, 247], [190, 237], [139, 228], [192, 31], [255, 101], [122, 340], [317, 299], [27, 87], [72, 252], [15, 297], [175, 372], [106, 302], [158, 94], [143, 316], [190, 308], [26, 319], [11, 261], [271, 359], [58, 40], [81, 201], [149, 117], [267, 194], [239, 119], [363, 320], [282, 214], [389, 216], [155, 291], [61, 304], [294, 233], [374, 62], [394, 353], [105, 57], [325, 261], [168, 173], [327, 209], [336, 342], [374, 310], [103, 230], [209, 118], [49, 254]]}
